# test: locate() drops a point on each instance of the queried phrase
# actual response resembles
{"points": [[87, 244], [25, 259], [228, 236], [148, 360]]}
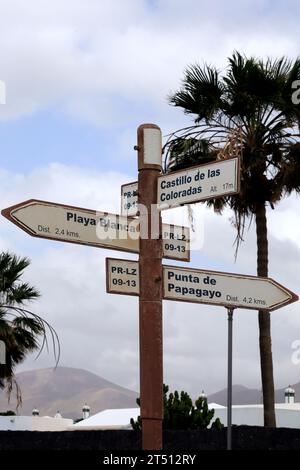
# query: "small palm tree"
{"points": [[21, 330], [247, 111]]}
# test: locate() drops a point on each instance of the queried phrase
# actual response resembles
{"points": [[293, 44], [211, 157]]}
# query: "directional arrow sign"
{"points": [[202, 286], [229, 290], [54, 221], [198, 183]]}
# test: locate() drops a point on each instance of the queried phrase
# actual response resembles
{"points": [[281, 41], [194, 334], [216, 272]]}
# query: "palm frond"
{"points": [[252, 100], [22, 330], [201, 92]]}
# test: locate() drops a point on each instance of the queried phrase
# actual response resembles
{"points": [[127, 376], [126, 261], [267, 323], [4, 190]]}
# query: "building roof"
{"points": [[116, 418], [289, 390], [278, 406], [109, 419], [215, 406]]}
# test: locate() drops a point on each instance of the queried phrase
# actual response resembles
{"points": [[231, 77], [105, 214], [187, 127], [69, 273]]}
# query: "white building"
{"points": [[34, 423], [287, 415], [289, 395], [37, 422], [108, 419]]}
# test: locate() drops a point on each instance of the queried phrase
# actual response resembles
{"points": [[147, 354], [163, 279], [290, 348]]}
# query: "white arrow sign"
{"points": [[199, 183], [202, 286], [54, 221], [194, 184]]}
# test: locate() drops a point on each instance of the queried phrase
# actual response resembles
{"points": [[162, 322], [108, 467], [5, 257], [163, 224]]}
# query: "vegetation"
{"points": [[180, 413], [7, 413], [21, 330], [248, 111]]}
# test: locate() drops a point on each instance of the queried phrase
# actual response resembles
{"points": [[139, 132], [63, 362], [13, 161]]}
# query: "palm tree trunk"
{"points": [[265, 344]]}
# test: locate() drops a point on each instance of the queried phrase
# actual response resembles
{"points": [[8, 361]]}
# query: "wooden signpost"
{"points": [[139, 229], [149, 147]]}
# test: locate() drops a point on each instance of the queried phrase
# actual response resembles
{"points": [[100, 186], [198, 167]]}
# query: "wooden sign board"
{"points": [[198, 183], [202, 286], [72, 224], [129, 199], [122, 276]]}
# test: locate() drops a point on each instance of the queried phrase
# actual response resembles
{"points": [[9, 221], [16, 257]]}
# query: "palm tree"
{"points": [[21, 330], [247, 111]]}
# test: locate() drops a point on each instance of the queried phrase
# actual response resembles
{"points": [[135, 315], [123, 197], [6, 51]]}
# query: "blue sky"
{"points": [[80, 77], [48, 136]]}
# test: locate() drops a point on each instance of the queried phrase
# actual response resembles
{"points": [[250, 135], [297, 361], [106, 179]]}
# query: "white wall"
{"points": [[253, 416], [33, 423]]}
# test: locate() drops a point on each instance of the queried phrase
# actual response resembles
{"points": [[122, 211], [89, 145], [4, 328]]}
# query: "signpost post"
{"points": [[150, 287], [229, 379]]}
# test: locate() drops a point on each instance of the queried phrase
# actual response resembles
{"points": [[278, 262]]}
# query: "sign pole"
{"points": [[150, 280], [229, 380]]}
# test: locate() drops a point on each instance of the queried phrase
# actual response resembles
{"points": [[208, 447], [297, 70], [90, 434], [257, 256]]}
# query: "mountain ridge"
{"points": [[67, 389], [242, 395]]}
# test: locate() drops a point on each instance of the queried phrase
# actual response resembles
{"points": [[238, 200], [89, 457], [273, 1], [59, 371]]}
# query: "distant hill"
{"points": [[66, 390], [249, 396], [240, 396]]}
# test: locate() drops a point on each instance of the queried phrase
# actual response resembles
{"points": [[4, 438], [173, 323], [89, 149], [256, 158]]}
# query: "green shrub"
{"points": [[181, 413]]}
